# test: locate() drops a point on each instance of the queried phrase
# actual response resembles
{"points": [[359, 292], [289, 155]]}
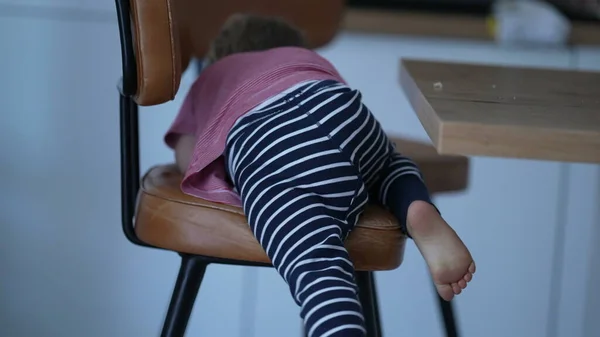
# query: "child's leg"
{"points": [[301, 197], [401, 189], [397, 184], [302, 229]]}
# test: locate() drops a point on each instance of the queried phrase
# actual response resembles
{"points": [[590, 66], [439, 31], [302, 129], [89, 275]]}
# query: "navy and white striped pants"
{"points": [[305, 164]]}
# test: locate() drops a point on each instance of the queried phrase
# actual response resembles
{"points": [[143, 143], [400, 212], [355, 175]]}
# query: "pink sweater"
{"points": [[224, 92]]}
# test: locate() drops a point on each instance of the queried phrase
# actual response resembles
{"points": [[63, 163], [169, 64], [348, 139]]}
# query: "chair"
{"points": [[159, 38]]}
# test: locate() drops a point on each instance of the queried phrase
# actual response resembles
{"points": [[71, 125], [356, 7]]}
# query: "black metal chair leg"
{"points": [[448, 317], [368, 298], [189, 279], [376, 303]]}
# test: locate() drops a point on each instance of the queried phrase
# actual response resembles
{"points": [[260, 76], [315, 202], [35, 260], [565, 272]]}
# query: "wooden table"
{"points": [[500, 111]]}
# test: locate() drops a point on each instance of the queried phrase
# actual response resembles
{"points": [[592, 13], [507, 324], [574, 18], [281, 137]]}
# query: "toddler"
{"points": [[271, 126]]}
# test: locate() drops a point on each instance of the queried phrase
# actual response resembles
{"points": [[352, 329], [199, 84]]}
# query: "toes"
{"points": [[472, 268], [448, 291], [445, 290]]}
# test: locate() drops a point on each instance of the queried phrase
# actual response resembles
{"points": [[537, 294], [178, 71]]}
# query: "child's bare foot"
{"points": [[449, 261]]}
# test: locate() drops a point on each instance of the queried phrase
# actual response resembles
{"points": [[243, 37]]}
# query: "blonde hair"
{"points": [[250, 32]]}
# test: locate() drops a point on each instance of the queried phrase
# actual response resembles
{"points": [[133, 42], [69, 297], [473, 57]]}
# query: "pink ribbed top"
{"points": [[224, 92]]}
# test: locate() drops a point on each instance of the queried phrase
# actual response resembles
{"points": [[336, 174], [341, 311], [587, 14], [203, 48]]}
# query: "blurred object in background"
{"points": [[528, 22], [509, 22], [583, 9], [441, 6], [573, 9]]}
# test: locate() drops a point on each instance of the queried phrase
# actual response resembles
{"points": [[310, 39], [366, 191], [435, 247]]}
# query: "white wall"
{"points": [[589, 232], [66, 269], [49, 7]]}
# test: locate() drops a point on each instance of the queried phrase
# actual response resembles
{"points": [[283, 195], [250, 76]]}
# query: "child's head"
{"points": [[250, 32]]}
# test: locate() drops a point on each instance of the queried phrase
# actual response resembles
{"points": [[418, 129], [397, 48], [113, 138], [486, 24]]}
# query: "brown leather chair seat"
{"points": [[169, 219]]}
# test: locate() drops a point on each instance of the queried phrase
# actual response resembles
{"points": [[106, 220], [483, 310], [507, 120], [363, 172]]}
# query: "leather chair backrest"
{"points": [[169, 33]]}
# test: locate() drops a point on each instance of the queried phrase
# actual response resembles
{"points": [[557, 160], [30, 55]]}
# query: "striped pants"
{"points": [[305, 164]]}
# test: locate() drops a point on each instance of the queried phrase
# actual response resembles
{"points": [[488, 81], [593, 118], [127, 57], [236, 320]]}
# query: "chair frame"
{"points": [[193, 267]]}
